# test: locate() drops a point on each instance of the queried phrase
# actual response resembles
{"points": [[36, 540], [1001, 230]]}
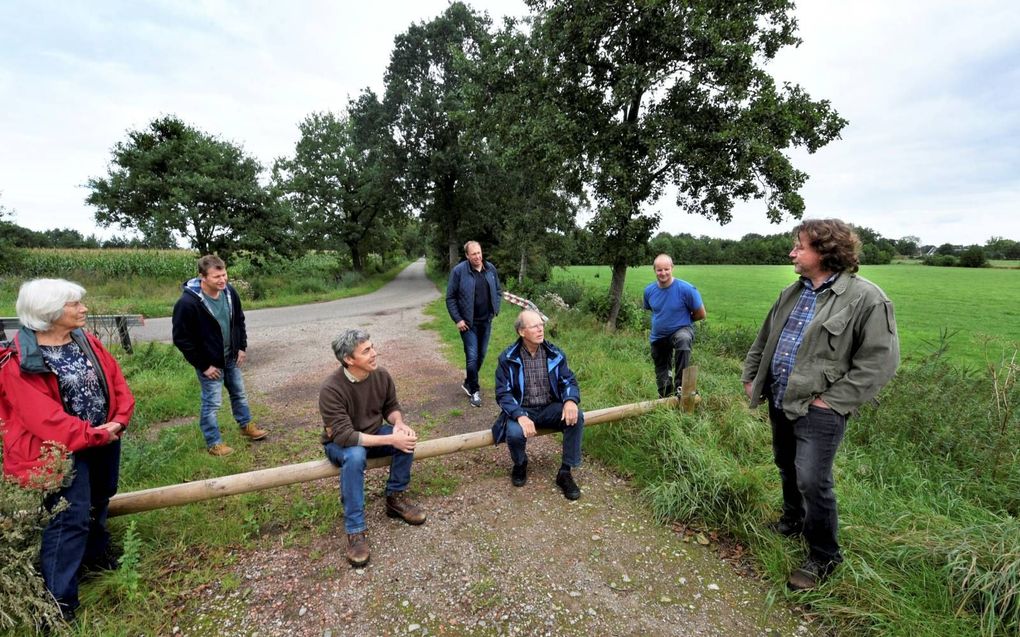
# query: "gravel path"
{"points": [[492, 559]]}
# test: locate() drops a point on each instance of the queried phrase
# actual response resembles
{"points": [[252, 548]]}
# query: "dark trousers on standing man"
{"points": [[672, 354], [804, 450]]}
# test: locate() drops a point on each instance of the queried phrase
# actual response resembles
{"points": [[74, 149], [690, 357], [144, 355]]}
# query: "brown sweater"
{"points": [[350, 409]]}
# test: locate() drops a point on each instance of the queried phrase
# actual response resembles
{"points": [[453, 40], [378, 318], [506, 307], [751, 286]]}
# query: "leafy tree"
{"points": [[947, 249], [908, 246], [660, 94], [974, 257], [426, 88], [171, 180], [1002, 248], [343, 182]]}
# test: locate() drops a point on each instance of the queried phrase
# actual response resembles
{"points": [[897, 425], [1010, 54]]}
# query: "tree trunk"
{"points": [[616, 291], [451, 244], [357, 260], [523, 267]]}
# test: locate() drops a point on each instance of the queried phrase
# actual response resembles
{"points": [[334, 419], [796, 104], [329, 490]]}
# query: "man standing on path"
{"points": [[208, 328], [361, 419], [472, 299], [675, 306], [827, 346], [535, 388]]}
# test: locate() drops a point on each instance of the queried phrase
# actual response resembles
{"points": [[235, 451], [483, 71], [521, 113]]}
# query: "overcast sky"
{"points": [[931, 89]]}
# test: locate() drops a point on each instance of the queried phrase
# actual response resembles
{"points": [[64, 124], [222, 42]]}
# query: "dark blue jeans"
{"points": [[548, 417], [804, 450], [672, 354], [78, 534], [351, 461], [476, 344]]}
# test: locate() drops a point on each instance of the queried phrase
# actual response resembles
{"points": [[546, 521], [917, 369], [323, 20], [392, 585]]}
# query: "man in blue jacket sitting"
{"points": [[472, 299], [535, 388]]}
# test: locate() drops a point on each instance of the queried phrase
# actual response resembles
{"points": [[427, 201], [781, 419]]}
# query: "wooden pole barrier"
{"points": [[188, 492]]}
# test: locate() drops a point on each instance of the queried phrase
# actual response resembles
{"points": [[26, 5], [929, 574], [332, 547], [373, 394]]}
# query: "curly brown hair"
{"points": [[836, 242]]}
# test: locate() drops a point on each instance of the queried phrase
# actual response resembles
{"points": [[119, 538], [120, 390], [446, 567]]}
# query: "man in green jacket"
{"points": [[827, 346]]}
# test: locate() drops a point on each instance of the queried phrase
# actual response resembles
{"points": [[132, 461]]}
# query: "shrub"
{"points": [[598, 303], [942, 260], [24, 601]]}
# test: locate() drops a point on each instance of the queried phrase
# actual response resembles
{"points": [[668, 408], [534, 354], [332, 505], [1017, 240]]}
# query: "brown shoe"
{"points": [[398, 506], [251, 431], [357, 549], [220, 449]]}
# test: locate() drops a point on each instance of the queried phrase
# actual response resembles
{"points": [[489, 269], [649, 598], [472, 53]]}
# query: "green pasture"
{"points": [[970, 305]]}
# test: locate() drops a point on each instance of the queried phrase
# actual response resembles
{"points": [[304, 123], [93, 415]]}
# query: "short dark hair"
{"points": [[836, 242], [210, 262]]}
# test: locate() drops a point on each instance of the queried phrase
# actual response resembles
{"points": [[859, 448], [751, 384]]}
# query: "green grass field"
{"points": [[972, 305]]}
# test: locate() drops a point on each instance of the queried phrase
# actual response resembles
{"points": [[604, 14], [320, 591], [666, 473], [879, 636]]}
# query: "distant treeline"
{"points": [[756, 249]]}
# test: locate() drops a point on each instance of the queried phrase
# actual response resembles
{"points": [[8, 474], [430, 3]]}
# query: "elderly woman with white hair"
{"points": [[60, 387]]}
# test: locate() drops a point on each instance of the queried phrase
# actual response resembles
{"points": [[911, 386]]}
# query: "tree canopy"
{"points": [[344, 181], [657, 95], [171, 180]]}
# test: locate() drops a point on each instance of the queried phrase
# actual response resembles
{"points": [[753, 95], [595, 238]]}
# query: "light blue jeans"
{"points": [[351, 461], [212, 398]]}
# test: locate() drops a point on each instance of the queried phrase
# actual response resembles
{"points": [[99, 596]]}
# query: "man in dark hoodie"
{"points": [[208, 328]]}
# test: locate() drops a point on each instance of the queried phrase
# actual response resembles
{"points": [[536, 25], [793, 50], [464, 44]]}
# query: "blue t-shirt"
{"points": [[671, 306]]}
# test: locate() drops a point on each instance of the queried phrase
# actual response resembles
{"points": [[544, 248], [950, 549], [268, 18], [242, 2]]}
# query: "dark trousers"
{"points": [[548, 417], [78, 534], [804, 450], [672, 354]]}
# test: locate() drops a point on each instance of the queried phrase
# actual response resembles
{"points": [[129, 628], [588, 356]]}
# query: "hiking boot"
{"points": [[475, 399], [565, 481], [398, 506], [357, 549], [519, 474], [812, 573], [787, 527], [251, 431], [220, 449]]}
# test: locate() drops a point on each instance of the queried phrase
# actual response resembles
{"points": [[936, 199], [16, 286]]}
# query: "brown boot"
{"points": [[357, 549], [251, 431], [398, 506]]}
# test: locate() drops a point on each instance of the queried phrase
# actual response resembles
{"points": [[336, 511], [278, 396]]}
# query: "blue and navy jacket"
{"points": [[510, 384], [460, 291]]}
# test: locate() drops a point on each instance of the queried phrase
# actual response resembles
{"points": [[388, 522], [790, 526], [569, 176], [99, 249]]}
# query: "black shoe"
{"points": [[787, 527], [565, 481], [519, 474], [812, 573]]}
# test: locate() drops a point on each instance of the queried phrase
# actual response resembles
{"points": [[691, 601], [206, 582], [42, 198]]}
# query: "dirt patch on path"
{"points": [[492, 559]]}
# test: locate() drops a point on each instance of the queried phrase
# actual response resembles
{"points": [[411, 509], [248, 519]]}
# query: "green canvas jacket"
{"points": [[850, 348]]}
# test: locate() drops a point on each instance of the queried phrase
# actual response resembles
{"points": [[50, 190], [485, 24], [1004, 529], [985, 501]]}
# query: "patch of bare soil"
{"points": [[491, 559]]}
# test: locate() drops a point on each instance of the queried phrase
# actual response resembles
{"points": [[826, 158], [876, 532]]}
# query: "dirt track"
{"points": [[492, 559]]}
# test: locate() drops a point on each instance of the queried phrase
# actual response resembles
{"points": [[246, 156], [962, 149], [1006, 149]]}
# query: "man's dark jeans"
{"points": [[804, 450], [548, 417], [673, 351], [476, 344]]}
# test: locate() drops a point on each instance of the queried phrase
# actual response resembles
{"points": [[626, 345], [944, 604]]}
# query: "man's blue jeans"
{"points": [[78, 534], [476, 344], [804, 450], [548, 417], [212, 398], [351, 461]]}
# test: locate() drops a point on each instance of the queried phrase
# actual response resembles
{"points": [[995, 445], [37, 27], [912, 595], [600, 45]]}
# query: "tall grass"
{"points": [[928, 507]]}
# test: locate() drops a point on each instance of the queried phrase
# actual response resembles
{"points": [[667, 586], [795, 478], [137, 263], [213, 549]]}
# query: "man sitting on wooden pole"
{"points": [[361, 419], [535, 388]]}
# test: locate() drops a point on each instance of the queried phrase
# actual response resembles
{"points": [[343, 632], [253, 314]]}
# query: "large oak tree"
{"points": [[658, 94]]}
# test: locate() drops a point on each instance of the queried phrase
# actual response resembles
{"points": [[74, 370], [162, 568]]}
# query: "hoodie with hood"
{"points": [[196, 332]]}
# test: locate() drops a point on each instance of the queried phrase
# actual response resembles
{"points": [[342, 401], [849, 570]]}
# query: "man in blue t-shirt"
{"points": [[675, 306]]}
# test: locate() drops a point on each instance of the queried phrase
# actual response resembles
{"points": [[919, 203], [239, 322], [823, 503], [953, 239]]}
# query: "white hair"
{"points": [[41, 301]]}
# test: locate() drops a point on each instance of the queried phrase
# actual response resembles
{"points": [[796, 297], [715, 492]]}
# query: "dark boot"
{"points": [[565, 481], [519, 474]]}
